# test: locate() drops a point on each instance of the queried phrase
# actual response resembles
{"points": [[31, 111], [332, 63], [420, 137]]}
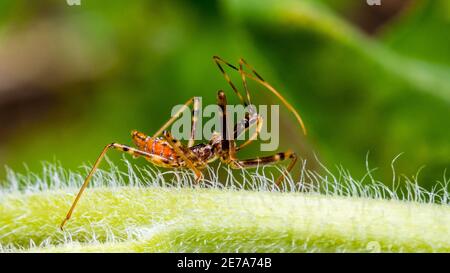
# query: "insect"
{"points": [[168, 152]]}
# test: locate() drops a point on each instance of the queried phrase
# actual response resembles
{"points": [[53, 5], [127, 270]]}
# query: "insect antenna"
{"points": [[257, 78], [281, 98]]}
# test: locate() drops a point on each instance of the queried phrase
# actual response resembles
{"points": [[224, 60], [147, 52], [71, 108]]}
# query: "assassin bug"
{"points": [[168, 152]]}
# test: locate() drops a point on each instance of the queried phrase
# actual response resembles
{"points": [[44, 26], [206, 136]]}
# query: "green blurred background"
{"points": [[364, 78]]}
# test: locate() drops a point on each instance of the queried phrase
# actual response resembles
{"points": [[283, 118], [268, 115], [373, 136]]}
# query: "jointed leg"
{"points": [[230, 148], [244, 80], [228, 142], [174, 117], [219, 61], [243, 62], [260, 161], [254, 117], [185, 153], [256, 77], [195, 114], [250, 118], [244, 125], [294, 158], [115, 146], [247, 122], [243, 74]]}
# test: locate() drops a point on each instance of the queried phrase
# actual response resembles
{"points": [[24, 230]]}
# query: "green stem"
{"points": [[174, 219]]}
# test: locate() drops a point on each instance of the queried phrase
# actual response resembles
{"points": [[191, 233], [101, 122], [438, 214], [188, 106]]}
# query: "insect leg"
{"points": [[250, 118], [219, 61], [115, 146], [185, 153], [247, 123], [174, 117], [257, 78], [195, 116], [267, 160], [228, 141], [229, 144], [244, 80]]}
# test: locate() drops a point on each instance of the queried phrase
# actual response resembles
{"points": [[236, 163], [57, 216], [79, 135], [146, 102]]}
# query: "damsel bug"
{"points": [[168, 152]]}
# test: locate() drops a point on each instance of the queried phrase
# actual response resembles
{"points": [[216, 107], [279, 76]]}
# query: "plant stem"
{"points": [[174, 219]]}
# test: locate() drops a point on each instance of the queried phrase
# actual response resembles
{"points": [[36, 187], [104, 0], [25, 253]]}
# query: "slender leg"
{"points": [[245, 124], [257, 78], [174, 117], [218, 62], [254, 116], [115, 146], [195, 114], [259, 123], [228, 142], [185, 153], [255, 162], [194, 122], [244, 80]]}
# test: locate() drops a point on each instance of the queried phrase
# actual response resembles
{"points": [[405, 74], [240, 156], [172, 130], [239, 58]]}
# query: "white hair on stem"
{"points": [[227, 201]]}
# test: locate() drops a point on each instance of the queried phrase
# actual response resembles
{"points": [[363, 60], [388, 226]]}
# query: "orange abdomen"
{"points": [[155, 146]]}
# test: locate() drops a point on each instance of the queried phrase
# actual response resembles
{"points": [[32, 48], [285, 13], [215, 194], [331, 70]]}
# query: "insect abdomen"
{"points": [[155, 146], [159, 147]]}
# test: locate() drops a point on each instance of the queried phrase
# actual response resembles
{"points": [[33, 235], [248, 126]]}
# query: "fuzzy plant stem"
{"points": [[175, 219]]}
